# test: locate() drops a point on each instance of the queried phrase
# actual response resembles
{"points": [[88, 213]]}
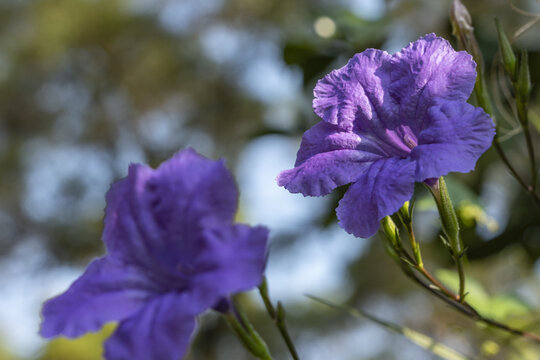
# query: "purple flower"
{"points": [[390, 121], [172, 252]]}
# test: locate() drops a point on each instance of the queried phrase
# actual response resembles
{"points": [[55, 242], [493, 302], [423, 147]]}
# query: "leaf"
{"points": [[498, 307], [504, 306], [476, 294]]}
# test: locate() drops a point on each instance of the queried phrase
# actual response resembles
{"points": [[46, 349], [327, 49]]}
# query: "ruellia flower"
{"points": [[389, 121], [173, 252]]}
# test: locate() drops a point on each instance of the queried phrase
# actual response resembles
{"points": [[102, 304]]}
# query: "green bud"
{"points": [[507, 54], [247, 335], [404, 211], [523, 83], [448, 217], [390, 230], [463, 30]]}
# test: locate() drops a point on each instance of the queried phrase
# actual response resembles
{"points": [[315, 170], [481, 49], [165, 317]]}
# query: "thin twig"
{"points": [[406, 261], [417, 338], [510, 134], [407, 222], [524, 120], [520, 11], [525, 27], [466, 309]]}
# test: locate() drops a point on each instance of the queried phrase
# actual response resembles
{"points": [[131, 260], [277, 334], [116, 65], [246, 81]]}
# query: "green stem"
{"points": [[405, 216], [524, 121], [405, 261], [438, 284], [279, 318], [530, 148], [414, 245], [461, 274], [522, 87], [263, 291]]}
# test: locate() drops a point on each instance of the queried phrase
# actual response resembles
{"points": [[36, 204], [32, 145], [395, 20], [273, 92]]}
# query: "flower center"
{"points": [[410, 141]]}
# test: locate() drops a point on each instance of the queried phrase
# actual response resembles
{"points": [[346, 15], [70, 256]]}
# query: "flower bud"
{"points": [[390, 230], [449, 218], [523, 83], [405, 211], [507, 54], [464, 32]]}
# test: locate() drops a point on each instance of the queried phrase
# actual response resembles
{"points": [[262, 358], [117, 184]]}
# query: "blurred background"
{"points": [[89, 86]]}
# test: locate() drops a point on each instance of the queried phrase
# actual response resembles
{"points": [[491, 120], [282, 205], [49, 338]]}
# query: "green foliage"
{"points": [[501, 307], [5, 354], [86, 347]]}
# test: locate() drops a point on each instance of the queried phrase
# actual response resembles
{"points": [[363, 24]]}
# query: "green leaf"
{"points": [[504, 306], [476, 294], [498, 307]]}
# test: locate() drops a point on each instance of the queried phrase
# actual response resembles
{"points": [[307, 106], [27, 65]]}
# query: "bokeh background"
{"points": [[89, 86]]}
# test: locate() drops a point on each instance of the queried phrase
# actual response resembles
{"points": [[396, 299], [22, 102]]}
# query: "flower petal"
{"points": [[324, 172], [380, 191], [456, 136], [107, 291], [161, 330], [355, 91], [328, 158], [427, 69], [153, 217], [184, 175], [234, 260]]}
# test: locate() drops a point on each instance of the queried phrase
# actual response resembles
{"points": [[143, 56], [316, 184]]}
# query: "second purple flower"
{"points": [[173, 251], [390, 121]]}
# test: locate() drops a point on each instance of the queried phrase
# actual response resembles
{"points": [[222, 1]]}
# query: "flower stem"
{"points": [[530, 149], [438, 284], [522, 87], [278, 315], [404, 260], [416, 248], [405, 215]]}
